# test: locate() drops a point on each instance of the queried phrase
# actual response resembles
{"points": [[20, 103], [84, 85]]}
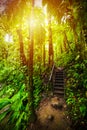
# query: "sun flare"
{"points": [[8, 38]]}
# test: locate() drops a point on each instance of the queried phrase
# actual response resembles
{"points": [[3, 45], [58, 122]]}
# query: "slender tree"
{"points": [[44, 55], [30, 65], [22, 55], [50, 41]]}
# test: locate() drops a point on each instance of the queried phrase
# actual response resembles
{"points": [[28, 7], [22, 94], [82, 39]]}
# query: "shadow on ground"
{"points": [[52, 115]]}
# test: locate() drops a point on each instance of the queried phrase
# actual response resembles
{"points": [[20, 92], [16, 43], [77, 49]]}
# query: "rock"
{"points": [[57, 106], [44, 96], [50, 117], [65, 106], [55, 100], [45, 104]]}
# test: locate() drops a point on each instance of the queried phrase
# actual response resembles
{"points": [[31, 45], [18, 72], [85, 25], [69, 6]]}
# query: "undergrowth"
{"points": [[14, 105], [76, 92]]}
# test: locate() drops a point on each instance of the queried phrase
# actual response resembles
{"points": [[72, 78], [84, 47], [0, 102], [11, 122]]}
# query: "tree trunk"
{"points": [[50, 42], [44, 55], [30, 70], [22, 55]]}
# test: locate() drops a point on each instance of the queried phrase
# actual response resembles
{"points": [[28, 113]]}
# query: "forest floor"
{"points": [[52, 115]]}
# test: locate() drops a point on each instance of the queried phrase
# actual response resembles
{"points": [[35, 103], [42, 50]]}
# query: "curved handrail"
{"points": [[51, 72]]}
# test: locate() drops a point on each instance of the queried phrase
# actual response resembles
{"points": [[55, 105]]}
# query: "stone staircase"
{"points": [[58, 83]]}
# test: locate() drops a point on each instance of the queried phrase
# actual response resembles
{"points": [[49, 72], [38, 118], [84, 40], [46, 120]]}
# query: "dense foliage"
{"points": [[14, 104], [76, 92], [38, 35]]}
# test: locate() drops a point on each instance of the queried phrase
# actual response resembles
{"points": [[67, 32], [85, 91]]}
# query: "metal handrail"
{"points": [[51, 72]]}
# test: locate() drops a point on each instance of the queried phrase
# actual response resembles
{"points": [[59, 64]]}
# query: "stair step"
{"points": [[59, 81], [59, 74], [59, 78], [59, 88], [58, 84], [55, 85], [59, 92], [59, 71]]}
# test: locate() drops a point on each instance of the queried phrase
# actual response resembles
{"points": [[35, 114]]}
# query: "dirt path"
{"points": [[52, 115]]}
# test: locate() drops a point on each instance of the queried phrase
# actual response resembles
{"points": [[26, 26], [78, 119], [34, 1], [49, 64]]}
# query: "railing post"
{"points": [[51, 76]]}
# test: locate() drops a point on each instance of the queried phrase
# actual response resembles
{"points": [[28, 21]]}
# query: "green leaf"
{"points": [[3, 115], [83, 110], [18, 123], [78, 56], [4, 102]]}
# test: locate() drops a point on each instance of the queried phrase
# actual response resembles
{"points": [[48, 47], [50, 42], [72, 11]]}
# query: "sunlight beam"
{"points": [[8, 38]]}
